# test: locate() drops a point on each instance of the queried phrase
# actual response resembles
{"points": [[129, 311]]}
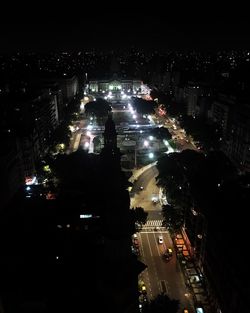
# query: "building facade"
{"points": [[114, 85]]}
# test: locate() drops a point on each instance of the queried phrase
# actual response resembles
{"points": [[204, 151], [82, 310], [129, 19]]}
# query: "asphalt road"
{"points": [[161, 275], [143, 198]]}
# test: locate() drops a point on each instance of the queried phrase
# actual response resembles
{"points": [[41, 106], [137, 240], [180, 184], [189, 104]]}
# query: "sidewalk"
{"points": [[194, 279], [138, 172]]}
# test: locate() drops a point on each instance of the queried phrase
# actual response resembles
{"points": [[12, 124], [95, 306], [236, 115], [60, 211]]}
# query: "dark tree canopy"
{"points": [[162, 304], [139, 216], [99, 108], [172, 216], [144, 106], [161, 133]]}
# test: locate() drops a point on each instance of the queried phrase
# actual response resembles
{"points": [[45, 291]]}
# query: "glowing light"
{"points": [[85, 215], [194, 212], [30, 180]]}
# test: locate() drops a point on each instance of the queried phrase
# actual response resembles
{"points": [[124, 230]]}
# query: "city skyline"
{"points": [[125, 174]]}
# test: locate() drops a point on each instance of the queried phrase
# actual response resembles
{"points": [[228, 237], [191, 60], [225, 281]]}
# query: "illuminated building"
{"points": [[115, 85]]}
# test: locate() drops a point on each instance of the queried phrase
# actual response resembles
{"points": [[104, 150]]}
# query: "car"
{"points": [[136, 242], [160, 239], [144, 289], [168, 254], [169, 251], [154, 199]]}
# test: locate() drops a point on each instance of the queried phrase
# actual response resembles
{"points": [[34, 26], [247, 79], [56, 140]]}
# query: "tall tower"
{"points": [[110, 134], [110, 155], [117, 228]]}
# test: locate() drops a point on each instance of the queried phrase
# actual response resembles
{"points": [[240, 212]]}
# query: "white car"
{"points": [[160, 239]]}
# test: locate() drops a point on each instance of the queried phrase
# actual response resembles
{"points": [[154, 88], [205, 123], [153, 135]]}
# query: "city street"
{"points": [[144, 197], [161, 275]]}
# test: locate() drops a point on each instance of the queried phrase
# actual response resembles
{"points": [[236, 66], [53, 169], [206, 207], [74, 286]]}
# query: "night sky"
{"points": [[143, 30]]}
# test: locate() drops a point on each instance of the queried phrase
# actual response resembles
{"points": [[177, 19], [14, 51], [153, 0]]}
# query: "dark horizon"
{"points": [[147, 33]]}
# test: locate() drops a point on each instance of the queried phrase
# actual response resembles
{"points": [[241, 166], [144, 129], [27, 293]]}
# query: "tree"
{"points": [[144, 106], [99, 108], [162, 304], [139, 217], [172, 216], [161, 133], [170, 173]]}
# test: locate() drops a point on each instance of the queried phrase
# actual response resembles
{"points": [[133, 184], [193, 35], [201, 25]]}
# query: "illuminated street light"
{"points": [[151, 137], [194, 212], [146, 143], [151, 155]]}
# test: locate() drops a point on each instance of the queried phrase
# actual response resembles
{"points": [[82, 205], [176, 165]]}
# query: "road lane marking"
{"points": [[141, 245], [157, 245], [149, 246], [153, 232]]}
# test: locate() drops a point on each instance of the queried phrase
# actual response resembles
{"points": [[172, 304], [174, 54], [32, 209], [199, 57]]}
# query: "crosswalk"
{"points": [[153, 223]]}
